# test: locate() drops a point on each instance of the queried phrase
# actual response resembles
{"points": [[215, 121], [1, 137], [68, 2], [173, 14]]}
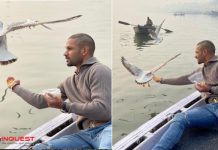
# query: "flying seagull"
{"points": [[155, 34], [143, 77], [30, 111], [7, 57], [18, 115]]}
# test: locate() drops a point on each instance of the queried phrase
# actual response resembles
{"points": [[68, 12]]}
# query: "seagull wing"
{"points": [[29, 23], [14, 26], [131, 68], [157, 30], [153, 34], [57, 21], [163, 64]]}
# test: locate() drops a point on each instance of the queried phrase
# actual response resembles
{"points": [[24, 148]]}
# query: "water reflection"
{"points": [[142, 41], [125, 38], [3, 96]]}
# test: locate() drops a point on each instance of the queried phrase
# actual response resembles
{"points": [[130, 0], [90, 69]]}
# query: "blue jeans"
{"points": [[99, 137], [204, 117]]}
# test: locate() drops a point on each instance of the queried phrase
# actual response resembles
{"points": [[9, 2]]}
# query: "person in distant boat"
{"points": [[149, 22], [205, 116], [89, 95]]}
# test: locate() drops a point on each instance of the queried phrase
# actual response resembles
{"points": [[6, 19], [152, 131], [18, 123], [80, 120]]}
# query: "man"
{"points": [[149, 22], [89, 94], [205, 116]]}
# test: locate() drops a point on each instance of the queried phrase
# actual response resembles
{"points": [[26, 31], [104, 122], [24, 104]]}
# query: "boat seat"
{"points": [[198, 139], [66, 131]]}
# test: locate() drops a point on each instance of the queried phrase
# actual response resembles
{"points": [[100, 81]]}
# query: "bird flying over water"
{"points": [[7, 57], [143, 77], [155, 34], [18, 115]]}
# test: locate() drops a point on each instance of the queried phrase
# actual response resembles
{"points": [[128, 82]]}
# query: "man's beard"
{"points": [[73, 63], [199, 61]]}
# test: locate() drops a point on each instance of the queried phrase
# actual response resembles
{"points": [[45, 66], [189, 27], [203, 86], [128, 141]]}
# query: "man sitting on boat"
{"points": [[149, 22], [205, 116], [89, 94]]}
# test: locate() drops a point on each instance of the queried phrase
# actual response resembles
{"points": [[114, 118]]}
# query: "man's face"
{"points": [[200, 55], [73, 54]]}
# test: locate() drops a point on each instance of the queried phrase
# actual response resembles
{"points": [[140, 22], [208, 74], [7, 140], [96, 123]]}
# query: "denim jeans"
{"points": [[204, 117], [99, 137]]}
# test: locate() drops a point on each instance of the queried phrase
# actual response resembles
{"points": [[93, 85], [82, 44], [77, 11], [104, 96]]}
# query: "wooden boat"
{"points": [[148, 134], [140, 29]]}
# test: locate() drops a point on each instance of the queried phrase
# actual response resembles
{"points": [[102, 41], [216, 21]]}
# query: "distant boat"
{"points": [[148, 134], [213, 13], [179, 14], [143, 29]]}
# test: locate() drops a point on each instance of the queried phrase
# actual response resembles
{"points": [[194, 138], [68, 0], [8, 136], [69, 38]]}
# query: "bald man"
{"points": [[205, 116]]}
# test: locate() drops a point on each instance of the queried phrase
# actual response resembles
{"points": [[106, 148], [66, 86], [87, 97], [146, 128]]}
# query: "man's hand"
{"points": [[202, 87], [11, 82], [53, 101], [157, 79]]}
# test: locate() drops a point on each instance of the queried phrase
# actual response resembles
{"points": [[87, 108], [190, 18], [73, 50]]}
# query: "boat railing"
{"points": [[55, 128], [151, 130]]}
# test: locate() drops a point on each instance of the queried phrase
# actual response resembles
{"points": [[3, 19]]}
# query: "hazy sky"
{"points": [[192, 5], [162, 5], [172, 5], [189, 1]]}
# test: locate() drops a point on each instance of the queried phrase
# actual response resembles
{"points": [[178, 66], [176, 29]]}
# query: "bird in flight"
{"points": [[7, 57], [18, 115], [155, 34], [143, 77]]}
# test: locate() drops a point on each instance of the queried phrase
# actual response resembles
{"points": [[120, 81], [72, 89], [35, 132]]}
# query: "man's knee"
{"points": [[106, 138], [180, 118], [41, 146]]}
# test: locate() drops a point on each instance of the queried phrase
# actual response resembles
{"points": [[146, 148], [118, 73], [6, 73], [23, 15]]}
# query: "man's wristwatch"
{"points": [[64, 107], [210, 90]]}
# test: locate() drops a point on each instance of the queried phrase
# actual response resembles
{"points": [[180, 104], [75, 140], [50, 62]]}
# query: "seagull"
{"points": [[3, 97], [30, 111], [7, 57], [143, 77], [18, 115], [155, 34]]}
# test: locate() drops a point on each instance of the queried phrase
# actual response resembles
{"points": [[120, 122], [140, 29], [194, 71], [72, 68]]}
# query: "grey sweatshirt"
{"points": [[88, 91], [209, 72]]}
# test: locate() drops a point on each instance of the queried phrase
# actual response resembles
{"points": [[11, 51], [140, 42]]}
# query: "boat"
{"points": [[213, 13], [59, 126], [148, 134], [142, 29], [179, 14]]}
